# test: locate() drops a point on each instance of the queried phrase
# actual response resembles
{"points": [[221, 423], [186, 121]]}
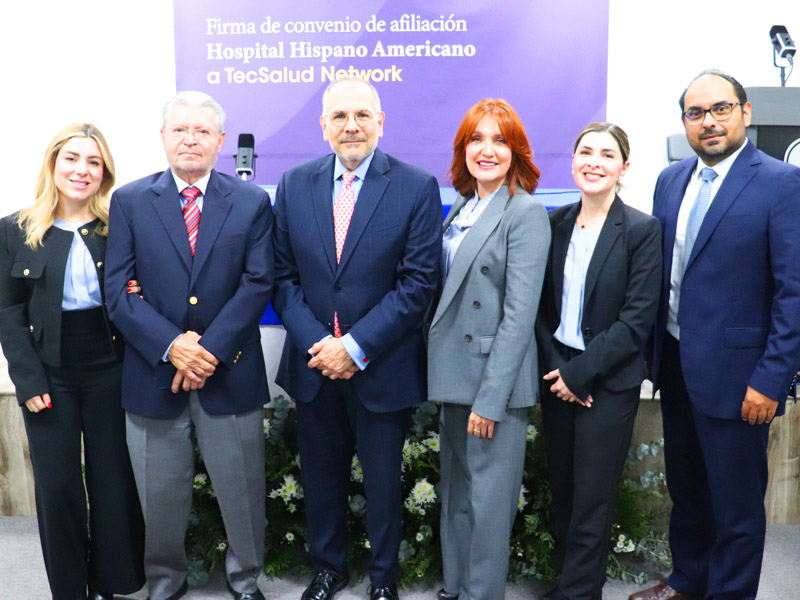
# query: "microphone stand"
{"points": [[781, 67]]}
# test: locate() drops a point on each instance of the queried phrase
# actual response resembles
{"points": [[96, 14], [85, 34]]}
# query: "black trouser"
{"points": [[101, 550], [586, 450]]}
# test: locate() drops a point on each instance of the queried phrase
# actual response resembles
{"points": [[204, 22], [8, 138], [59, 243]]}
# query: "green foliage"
{"points": [[532, 543], [633, 520]]}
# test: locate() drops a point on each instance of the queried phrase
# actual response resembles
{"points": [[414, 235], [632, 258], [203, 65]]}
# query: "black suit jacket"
{"points": [[620, 299], [31, 291]]}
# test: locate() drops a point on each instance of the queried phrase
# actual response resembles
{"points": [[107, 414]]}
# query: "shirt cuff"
{"points": [[165, 358], [354, 350]]}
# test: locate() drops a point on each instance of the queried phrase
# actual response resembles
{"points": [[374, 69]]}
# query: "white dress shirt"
{"points": [[676, 275]]}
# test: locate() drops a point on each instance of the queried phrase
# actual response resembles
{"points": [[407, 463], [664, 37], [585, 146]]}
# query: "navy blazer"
{"points": [[620, 299], [739, 314], [220, 293], [31, 293], [381, 288]]}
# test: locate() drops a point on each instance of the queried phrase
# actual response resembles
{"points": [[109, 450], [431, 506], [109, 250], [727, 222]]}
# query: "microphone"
{"points": [[782, 42], [245, 156]]}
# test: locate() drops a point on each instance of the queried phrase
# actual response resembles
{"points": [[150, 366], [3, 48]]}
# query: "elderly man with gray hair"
{"points": [[199, 244]]}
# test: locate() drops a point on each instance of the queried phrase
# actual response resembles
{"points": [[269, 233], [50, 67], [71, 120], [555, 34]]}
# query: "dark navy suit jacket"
{"points": [[220, 293], [381, 288], [739, 313]]}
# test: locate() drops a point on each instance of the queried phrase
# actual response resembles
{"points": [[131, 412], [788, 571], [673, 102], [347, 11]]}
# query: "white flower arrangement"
{"points": [[412, 450], [624, 544], [290, 490], [522, 502], [356, 472], [421, 494], [531, 433], [200, 480], [432, 441]]}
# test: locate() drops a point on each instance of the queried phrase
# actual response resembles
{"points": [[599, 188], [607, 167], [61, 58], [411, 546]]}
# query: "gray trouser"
{"points": [[480, 483], [163, 464]]}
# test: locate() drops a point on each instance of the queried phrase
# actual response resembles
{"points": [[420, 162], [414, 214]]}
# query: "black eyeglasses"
{"points": [[721, 111]]}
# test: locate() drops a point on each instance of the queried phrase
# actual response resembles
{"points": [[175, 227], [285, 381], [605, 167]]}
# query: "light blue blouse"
{"points": [[460, 226], [81, 285], [579, 254]]}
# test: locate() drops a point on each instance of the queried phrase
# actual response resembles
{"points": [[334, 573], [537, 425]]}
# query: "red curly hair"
{"points": [[522, 173]]}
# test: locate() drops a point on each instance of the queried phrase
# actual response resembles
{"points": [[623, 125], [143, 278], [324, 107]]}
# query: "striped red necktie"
{"points": [[191, 215]]}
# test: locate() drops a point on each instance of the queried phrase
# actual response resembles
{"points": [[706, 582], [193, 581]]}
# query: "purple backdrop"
{"points": [[549, 60]]}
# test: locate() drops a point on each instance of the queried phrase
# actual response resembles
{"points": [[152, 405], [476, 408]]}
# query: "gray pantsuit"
{"points": [[482, 358], [481, 480], [163, 464]]}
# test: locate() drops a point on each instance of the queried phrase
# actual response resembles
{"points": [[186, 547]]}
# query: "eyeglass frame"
{"points": [[699, 121], [201, 134], [354, 116]]}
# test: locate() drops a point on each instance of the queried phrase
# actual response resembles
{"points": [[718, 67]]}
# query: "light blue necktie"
{"points": [[698, 212]]}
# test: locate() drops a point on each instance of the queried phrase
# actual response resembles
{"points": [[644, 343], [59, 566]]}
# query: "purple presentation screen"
{"points": [[268, 62]]}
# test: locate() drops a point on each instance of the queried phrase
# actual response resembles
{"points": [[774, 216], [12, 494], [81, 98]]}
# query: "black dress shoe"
{"points": [[383, 593], [257, 595], [180, 593], [442, 595], [99, 596], [325, 585]]}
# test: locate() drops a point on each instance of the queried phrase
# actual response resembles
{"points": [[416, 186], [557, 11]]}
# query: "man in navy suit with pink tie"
{"points": [[357, 250], [727, 339]]}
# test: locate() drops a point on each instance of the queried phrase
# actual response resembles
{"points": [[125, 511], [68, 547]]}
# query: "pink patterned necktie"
{"points": [[342, 213], [191, 215]]}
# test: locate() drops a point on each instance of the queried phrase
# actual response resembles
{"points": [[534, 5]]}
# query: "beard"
{"points": [[352, 156], [719, 151]]}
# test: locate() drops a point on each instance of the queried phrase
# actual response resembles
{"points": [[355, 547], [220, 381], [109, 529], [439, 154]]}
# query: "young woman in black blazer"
{"points": [[64, 360], [598, 304]]}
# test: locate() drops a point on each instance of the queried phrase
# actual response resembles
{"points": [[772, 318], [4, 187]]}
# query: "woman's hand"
{"points": [[560, 389], [38, 403], [134, 287], [480, 427]]}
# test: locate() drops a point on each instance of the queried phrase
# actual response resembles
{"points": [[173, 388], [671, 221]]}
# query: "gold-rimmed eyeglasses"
{"points": [[340, 118]]}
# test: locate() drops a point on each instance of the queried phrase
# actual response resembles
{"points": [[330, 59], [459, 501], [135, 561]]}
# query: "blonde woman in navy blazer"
{"points": [[64, 358], [598, 305], [482, 359]]}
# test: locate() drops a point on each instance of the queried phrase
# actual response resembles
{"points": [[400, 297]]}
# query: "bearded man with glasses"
{"points": [[726, 340]]}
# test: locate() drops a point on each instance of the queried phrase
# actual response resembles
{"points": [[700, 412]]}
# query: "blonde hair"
{"points": [[37, 218]]}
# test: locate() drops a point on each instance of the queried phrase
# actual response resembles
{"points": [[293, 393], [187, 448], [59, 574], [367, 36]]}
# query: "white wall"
{"points": [[656, 47], [108, 62], [112, 63]]}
